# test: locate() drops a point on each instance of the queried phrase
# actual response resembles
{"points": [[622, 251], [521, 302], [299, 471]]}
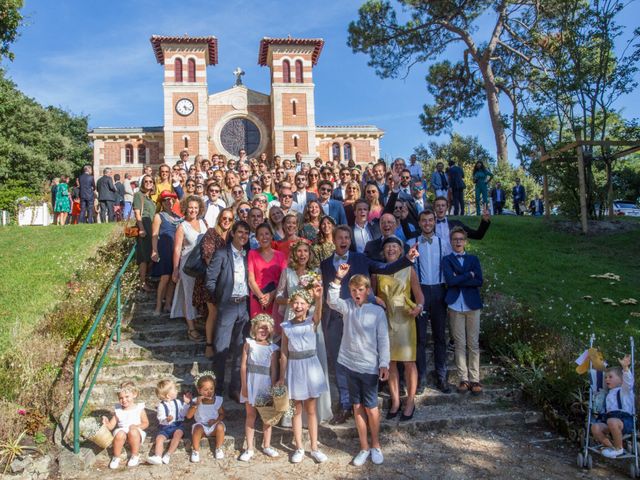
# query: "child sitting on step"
{"points": [[258, 371], [208, 413], [131, 420], [300, 368], [618, 419], [171, 412]]}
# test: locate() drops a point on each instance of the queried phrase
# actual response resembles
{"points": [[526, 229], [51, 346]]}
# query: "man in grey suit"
{"points": [[107, 196], [227, 279]]}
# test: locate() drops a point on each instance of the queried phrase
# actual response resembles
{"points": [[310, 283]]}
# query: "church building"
{"points": [[279, 123]]}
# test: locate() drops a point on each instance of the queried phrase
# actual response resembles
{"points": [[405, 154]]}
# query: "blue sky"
{"points": [[95, 58]]}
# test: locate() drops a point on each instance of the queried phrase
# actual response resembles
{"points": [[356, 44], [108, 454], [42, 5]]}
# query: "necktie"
{"points": [[424, 239], [441, 220]]}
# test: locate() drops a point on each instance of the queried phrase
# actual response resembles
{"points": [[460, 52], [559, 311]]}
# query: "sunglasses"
{"points": [[244, 210], [325, 190], [237, 192], [287, 196], [213, 190], [313, 174]]}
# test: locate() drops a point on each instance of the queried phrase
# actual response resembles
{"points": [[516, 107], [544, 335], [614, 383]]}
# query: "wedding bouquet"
{"points": [[273, 404], [309, 280]]}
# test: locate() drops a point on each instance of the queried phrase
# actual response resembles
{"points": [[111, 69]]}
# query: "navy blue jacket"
{"points": [[458, 279], [336, 211], [456, 177], [219, 278]]}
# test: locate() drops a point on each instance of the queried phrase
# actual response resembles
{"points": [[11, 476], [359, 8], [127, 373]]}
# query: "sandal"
{"points": [[464, 387], [476, 388], [208, 351], [194, 335]]}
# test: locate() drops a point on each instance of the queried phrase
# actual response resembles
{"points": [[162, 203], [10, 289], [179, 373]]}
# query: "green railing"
{"points": [[115, 289]]}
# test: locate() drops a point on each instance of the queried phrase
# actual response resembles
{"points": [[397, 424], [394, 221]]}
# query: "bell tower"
{"points": [[291, 61], [185, 60]]}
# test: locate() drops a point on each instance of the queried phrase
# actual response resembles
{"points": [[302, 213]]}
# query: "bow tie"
{"points": [[342, 257], [460, 255], [424, 239], [441, 220], [241, 253]]}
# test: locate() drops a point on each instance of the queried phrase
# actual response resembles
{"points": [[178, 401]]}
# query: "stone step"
{"points": [[167, 349]]}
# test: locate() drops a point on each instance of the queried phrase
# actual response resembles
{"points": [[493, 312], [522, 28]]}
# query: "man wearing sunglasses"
{"points": [[340, 192], [331, 207], [301, 196]]}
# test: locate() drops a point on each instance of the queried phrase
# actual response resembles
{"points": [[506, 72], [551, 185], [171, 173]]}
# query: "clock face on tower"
{"points": [[184, 107]]}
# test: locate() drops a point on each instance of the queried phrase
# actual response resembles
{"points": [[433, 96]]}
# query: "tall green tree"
{"points": [[425, 34], [10, 22]]}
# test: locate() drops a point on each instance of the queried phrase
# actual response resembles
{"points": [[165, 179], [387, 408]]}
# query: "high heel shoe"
{"points": [[405, 418], [391, 415]]}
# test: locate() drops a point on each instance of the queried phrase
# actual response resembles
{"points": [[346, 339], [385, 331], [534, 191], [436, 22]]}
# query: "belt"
{"points": [[238, 299], [259, 369], [302, 354]]}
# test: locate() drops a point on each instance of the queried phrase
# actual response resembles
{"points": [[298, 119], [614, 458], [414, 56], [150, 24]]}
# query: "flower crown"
{"points": [[262, 318], [302, 293], [127, 387], [206, 373]]}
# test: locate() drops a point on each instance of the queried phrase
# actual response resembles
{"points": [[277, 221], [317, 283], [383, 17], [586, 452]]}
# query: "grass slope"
{"points": [[548, 271], [36, 263]]}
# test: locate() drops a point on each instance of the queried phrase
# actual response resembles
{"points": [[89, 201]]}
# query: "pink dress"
{"points": [[266, 273]]}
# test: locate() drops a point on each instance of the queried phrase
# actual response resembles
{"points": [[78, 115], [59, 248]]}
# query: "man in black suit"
{"points": [[519, 196], [119, 192], [444, 225], [388, 225], [340, 192], [456, 182], [107, 196], [227, 279], [498, 198], [87, 189], [363, 231]]}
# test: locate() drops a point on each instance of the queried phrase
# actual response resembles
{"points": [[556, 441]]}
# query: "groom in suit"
{"points": [[332, 320], [227, 280], [331, 207]]}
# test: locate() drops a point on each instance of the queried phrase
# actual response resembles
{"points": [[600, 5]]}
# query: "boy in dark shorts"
{"points": [[618, 421], [364, 353]]}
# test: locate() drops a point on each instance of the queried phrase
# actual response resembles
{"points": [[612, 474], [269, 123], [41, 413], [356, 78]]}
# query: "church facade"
{"points": [[280, 123]]}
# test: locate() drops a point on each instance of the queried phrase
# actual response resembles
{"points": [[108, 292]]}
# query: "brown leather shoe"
{"points": [[476, 388], [340, 417], [464, 387]]}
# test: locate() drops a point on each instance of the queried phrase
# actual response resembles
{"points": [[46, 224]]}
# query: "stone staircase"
{"points": [[154, 348]]}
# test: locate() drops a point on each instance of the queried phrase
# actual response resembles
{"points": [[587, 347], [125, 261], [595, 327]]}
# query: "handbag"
{"points": [[133, 231], [195, 266]]}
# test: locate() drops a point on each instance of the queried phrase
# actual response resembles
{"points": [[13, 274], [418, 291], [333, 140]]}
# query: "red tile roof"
{"points": [[158, 40], [266, 41]]}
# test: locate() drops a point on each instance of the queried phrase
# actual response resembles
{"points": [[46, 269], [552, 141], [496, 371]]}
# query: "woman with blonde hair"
{"points": [[144, 209], [352, 195], [214, 239], [187, 236], [276, 217]]}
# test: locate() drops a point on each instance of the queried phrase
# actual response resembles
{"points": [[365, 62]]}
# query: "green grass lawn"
{"points": [[548, 271], [36, 264]]}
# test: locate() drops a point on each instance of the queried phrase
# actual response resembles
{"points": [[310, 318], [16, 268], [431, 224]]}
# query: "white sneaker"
{"points": [[134, 461], [612, 452], [246, 456], [115, 463], [318, 456], [270, 452], [195, 457], [376, 456], [154, 460], [219, 454], [166, 459], [360, 458], [297, 456]]}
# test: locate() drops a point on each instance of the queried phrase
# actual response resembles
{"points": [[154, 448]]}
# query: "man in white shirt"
{"points": [[363, 231], [415, 168], [429, 269], [213, 205], [244, 172], [301, 196]]}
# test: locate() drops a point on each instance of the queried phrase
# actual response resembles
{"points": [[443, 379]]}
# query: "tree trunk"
{"points": [[493, 103]]}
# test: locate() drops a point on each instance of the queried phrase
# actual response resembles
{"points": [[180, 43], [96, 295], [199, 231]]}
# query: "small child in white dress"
{"points": [[171, 412], [301, 369], [130, 421], [258, 371], [208, 414]]}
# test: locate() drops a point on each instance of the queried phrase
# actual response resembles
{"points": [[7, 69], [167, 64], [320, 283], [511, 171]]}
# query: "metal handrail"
{"points": [[116, 287]]}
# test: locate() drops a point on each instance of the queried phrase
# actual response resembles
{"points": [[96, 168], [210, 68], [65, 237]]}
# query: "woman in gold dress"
{"points": [[394, 292]]}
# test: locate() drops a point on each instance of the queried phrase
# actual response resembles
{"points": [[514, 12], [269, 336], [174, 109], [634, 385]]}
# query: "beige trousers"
{"points": [[465, 327]]}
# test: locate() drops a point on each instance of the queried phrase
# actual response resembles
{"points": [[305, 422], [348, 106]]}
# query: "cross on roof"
{"points": [[238, 72]]}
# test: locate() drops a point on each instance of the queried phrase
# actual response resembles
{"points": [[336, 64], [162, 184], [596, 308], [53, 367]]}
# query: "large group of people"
{"points": [[314, 276]]}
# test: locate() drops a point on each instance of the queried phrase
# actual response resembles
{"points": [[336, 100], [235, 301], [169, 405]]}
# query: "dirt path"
{"points": [[517, 452]]}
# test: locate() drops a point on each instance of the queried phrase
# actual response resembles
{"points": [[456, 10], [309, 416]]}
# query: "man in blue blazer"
{"points": [[227, 280], [301, 196], [519, 196], [332, 320], [463, 276], [331, 207], [339, 193]]}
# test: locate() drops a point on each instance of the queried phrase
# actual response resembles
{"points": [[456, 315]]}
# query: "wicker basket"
{"points": [[103, 437], [281, 403], [270, 416]]}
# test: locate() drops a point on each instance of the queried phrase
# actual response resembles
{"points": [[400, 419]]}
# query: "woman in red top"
{"points": [[290, 229], [265, 267]]}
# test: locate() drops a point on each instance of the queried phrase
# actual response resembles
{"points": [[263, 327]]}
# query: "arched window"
{"points": [[295, 141], [347, 151], [186, 142], [142, 154], [286, 71], [128, 153], [177, 68], [191, 69], [299, 71], [294, 107], [335, 150]]}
